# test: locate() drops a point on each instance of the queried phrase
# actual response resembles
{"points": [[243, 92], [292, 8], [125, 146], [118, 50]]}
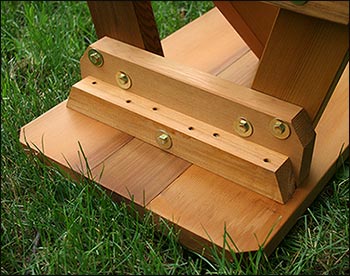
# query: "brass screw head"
{"points": [[243, 127], [163, 139], [123, 80], [95, 57], [279, 129]]}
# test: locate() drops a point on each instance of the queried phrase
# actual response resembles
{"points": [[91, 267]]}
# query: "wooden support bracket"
{"points": [[199, 112]]}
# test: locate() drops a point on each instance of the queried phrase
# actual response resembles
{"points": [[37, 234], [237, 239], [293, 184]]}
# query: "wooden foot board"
{"points": [[199, 202]]}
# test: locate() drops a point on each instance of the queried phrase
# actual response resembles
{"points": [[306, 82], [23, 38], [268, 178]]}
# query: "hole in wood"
{"points": [[155, 108], [266, 160], [94, 82], [128, 101], [216, 134], [190, 128]]}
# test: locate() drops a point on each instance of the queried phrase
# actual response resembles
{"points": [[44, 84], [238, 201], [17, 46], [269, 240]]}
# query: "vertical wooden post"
{"points": [[303, 60], [253, 20], [131, 22]]}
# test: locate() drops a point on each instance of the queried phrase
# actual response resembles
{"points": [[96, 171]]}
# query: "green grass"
{"points": [[52, 225]]}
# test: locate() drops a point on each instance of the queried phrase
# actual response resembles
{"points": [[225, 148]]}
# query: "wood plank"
{"points": [[225, 154], [139, 171], [336, 11], [253, 20], [206, 98], [129, 21], [213, 52], [202, 209], [301, 60], [58, 132], [242, 71], [190, 47]]}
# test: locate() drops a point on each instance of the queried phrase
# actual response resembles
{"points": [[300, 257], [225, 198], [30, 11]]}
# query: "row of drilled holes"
{"points": [[216, 135]]}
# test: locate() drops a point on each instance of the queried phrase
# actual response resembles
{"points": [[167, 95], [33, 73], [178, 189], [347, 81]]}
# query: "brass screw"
{"points": [[279, 129], [95, 57], [243, 127], [163, 139], [123, 80]]}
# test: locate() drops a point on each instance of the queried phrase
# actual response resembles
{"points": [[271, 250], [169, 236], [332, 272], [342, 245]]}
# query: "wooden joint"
{"points": [[198, 111]]}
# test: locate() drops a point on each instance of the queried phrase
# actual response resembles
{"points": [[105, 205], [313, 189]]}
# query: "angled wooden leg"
{"points": [[129, 21], [253, 20], [303, 60]]}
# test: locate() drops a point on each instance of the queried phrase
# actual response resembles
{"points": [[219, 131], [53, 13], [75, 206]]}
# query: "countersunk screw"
{"points": [[243, 127], [163, 139], [279, 129], [123, 80], [95, 57]]}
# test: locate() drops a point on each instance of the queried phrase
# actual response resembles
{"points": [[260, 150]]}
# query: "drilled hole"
{"points": [[266, 160], [190, 128], [94, 82], [128, 101], [216, 134], [154, 108]]}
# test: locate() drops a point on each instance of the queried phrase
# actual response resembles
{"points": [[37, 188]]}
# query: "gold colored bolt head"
{"points": [[279, 129], [163, 139], [123, 80], [95, 57], [243, 127]]}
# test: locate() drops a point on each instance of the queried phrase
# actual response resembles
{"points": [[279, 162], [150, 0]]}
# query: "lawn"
{"points": [[53, 225]]}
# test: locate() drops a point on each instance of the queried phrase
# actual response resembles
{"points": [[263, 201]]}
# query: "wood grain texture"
{"points": [[241, 71], [220, 47], [301, 60], [193, 202], [58, 132], [227, 155], [205, 97], [253, 20], [336, 11], [129, 21], [139, 171]]}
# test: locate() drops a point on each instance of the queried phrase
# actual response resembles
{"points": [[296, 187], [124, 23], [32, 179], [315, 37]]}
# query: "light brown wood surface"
{"points": [[336, 11], [255, 167], [57, 133], [69, 125], [221, 45], [129, 21], [301, 59], [194, 203], [253, 20], [206, 98]]}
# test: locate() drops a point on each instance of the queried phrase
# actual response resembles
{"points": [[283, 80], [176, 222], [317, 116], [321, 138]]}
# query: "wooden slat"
{"points": [[202, 209], [206, 98], [242, 71], [188, 46], [129, 21], [301, 60], [253, 166], [220, 47], [253, 20], [58, 132], [336, 11], [139, 171]]}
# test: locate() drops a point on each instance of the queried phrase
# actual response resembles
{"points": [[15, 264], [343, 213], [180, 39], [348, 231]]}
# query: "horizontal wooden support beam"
{"points": [[336, 11], [248, 164], [206, 98]]}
